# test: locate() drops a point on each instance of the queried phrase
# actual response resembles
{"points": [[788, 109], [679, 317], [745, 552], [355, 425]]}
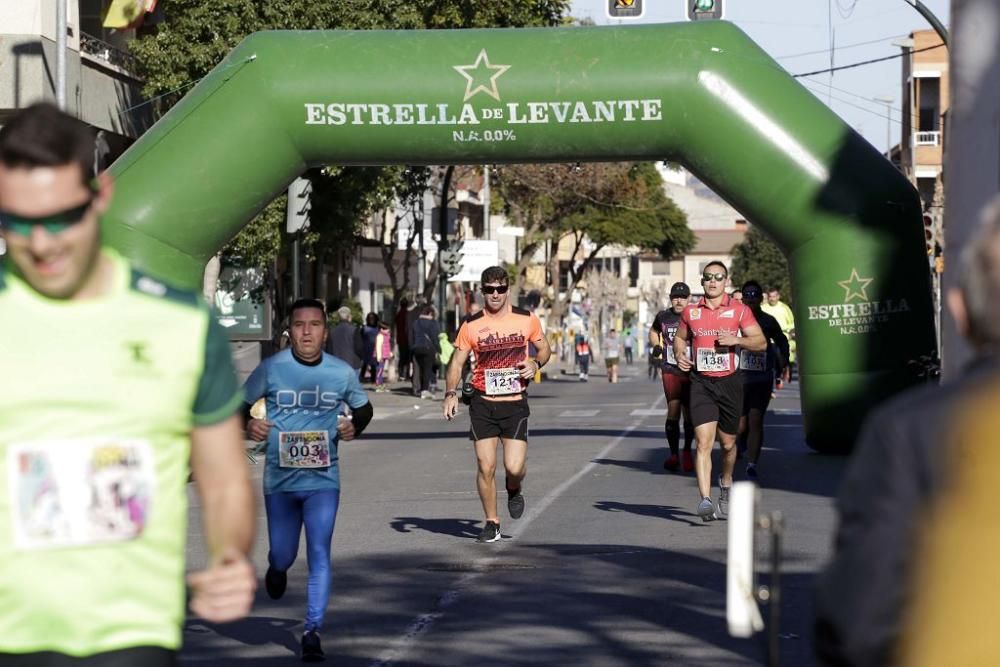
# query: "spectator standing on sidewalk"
{"points": [[425, 345], [383, 354], [345, 341], [403, 339]]}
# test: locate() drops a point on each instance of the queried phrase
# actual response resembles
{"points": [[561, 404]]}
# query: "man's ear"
{"points": [[105, 191], [956, 306]]}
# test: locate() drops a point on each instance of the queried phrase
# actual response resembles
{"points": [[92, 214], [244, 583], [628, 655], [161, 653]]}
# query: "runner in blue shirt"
{"points": [[307, 393]]}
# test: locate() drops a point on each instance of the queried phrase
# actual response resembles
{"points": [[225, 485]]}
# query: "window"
{"points": [[929, 91]]}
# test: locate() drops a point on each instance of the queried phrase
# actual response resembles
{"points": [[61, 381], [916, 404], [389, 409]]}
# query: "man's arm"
{"points": [[681, 347], [451, 379], [224, 590], [753, 338]]}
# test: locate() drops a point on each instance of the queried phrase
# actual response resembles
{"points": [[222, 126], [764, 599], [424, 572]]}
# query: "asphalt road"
{"points": [[608, 566]]}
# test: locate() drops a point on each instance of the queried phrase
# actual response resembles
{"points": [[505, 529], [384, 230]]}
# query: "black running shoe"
{"points": [[312, 651], [275, 582], [515, 505], [490, 533]]}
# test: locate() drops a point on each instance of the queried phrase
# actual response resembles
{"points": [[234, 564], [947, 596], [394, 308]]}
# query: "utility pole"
{"points": [[61, 29]]}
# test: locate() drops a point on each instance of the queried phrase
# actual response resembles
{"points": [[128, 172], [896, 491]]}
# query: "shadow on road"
{"points": [[453, 527], [656, 511]]}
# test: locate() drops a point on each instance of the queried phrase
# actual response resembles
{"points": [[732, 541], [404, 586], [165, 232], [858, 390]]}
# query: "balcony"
{"points": [[108, 53], [927, 139]]}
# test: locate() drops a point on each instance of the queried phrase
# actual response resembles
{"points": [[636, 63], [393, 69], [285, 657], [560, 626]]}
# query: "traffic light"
{"points": [[451, 260], [299, 205], [701, 10]]}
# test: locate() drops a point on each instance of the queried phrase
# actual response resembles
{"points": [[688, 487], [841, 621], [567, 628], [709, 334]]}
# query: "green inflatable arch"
{"points": [[701, 94]]}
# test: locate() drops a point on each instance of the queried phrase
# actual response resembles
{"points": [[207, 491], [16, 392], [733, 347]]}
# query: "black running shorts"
{"points": [[504, 419], [717, 399], [756, 396]]}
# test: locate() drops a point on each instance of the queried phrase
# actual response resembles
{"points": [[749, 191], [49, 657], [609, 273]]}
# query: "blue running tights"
{"points": [[287, 511]]}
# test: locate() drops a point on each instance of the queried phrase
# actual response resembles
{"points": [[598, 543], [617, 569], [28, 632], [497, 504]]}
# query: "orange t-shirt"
{"points": [[500, 343]]}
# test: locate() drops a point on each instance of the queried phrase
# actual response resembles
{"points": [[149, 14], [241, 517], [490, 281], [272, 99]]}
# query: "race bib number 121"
{"points": [[502, 381]]}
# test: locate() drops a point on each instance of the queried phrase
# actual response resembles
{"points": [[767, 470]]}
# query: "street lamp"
{"points": [[888, 102]]}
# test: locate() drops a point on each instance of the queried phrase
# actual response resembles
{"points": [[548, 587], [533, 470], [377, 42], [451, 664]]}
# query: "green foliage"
{"points": [[357, 312], [640, 215], [196, 35], [758, 258]]}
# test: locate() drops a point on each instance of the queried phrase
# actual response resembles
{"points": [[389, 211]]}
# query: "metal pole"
{"points": [[486, 202], [774, 598], [61, 28], [931, 18], [295, 268]]}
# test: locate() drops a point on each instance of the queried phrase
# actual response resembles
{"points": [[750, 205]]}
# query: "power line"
{"points": [[867, 62], [839, 48]]}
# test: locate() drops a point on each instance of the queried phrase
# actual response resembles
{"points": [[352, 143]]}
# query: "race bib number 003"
{"points": [[753, 361], [79, 492], [304, 449], [502, 381], [711, 361]]}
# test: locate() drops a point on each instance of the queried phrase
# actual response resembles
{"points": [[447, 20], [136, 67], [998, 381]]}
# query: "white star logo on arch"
{"points": [[855, 286], [478, 74]]}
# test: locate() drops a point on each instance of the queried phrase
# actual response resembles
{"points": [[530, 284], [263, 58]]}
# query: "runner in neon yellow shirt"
{"points": [[781, 311], [112, 383]]}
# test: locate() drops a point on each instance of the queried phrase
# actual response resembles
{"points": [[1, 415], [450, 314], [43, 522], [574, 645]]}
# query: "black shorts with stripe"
{"points": [[492, 419]]}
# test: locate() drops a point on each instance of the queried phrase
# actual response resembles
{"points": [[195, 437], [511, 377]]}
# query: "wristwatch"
{"points": [[450, 392]]}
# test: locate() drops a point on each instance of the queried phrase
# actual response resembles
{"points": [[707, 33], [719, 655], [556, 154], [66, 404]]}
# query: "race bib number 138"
{"points": [[711, 361]]}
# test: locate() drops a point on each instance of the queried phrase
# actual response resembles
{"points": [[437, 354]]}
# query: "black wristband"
{"points": [[450, 392]]}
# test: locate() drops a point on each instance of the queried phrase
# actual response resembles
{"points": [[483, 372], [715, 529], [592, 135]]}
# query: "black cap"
{"points": [[680, 290]]}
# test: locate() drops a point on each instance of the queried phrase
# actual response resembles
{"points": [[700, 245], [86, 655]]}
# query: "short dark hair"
{"points": [[307, 303], [494, 274], [43, 136], [716, 262]]}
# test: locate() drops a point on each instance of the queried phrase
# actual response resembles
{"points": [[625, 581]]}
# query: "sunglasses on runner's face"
{"points": [[54, 223], [717, 277], [752, 295], [494, 289]]}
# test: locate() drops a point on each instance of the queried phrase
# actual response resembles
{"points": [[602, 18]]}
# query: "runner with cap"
{"points": [[676, 383]]}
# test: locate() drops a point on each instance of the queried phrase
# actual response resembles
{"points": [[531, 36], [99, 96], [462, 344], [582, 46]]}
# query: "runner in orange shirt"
{"points": [[499, 336]]}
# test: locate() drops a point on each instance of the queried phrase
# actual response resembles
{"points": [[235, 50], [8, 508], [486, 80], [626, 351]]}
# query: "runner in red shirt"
{"points": [[713, 328]]}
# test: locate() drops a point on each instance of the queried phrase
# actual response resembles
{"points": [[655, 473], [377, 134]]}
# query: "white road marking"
{"points": [[579, 413], [399, 649], [652, 412]]}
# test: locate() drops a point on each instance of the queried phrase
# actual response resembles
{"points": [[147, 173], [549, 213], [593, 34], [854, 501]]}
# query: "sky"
{"points": [[861, 30]]}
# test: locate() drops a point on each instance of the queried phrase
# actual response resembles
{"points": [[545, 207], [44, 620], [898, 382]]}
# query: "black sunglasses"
{"points": [[493, 289], [54, 223], [717, 277]]}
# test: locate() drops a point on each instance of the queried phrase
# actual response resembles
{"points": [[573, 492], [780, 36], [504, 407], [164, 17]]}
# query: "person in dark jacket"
{"points": [[368, 335], [344, 341], [403, 339], [425, 346], [901, 465]]}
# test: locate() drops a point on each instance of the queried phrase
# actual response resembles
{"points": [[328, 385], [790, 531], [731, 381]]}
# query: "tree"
{"points": [[594, 206], [174, 55], [759, 258]]}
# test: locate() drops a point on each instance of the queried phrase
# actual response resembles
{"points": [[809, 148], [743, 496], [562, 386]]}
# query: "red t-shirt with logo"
{"points": [[702, 325], [500, 343]]}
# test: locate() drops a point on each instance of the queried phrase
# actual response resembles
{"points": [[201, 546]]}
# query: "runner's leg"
{"points": [[704, 435], [486, 458], [284, 524], [320, 516], [515, 462], [755, 434]]}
